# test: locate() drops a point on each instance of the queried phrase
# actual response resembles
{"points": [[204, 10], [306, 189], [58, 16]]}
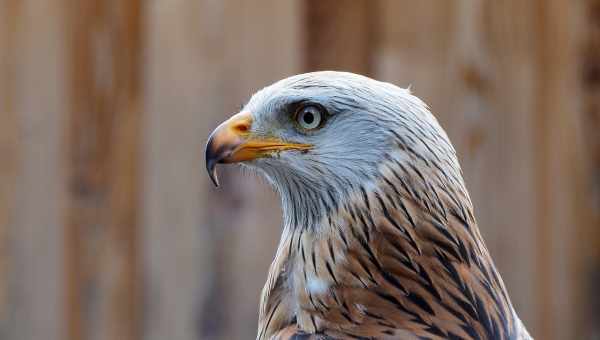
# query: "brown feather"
{"points": [[400, 261]]}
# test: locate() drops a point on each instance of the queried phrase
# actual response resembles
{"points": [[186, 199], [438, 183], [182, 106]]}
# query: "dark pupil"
{"points": [[308, 118]]}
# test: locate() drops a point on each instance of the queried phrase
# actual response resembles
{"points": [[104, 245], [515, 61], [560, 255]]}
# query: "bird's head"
{"points": [[318, 137]]}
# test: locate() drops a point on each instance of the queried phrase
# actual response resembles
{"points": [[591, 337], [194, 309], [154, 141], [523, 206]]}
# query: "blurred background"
{"points": [[110, 229]]}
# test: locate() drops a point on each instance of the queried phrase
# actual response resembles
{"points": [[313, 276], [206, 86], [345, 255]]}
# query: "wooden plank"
{"points": [[562, 211], [414, 50], [339, 35], [256, 228], [103, 138], [182, 96], [125, 173], [460, 57], [35, 234], [506, 172], [589, 78], [207, 251], [9, 149]]}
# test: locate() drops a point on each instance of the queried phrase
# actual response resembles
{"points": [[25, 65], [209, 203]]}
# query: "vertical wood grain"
{"points": [[183, 61], [589, 78], [110, 229], [103, 139], [559, 184], [9, 150], [250, 237], [36, 94], [339, 35], [506, 170], [208, 250], [471, 61]]}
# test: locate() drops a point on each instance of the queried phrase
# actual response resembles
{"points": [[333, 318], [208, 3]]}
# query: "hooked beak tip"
{"points": [[223, 141], [211, 164], [212, 174]]}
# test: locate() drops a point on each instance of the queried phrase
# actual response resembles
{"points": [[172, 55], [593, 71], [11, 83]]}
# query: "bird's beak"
{"points": [[233, 142]]}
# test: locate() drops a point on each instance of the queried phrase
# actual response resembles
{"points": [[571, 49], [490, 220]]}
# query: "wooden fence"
{"points": [[110, 229]]}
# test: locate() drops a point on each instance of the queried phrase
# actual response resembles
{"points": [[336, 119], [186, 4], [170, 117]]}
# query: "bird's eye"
{"points": [[309, 117]]}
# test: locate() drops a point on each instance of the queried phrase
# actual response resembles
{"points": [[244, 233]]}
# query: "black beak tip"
{"points": [[211, 163], [212, 172]]}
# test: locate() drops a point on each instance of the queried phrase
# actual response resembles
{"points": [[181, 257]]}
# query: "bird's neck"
{"points": [[423, 217], [308, 206]]}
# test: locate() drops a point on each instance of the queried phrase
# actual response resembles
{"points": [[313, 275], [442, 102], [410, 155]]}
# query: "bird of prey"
{"points": [[379, 238]]}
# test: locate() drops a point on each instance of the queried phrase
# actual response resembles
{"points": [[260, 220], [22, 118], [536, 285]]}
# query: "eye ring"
{"points": [[310, 117]]}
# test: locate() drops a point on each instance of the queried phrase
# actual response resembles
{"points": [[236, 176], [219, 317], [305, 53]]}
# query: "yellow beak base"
{"points": [[232, 142]]}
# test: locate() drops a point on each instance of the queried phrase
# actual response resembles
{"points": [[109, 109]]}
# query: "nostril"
{"points": [[239, 123], [241, 127]]}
